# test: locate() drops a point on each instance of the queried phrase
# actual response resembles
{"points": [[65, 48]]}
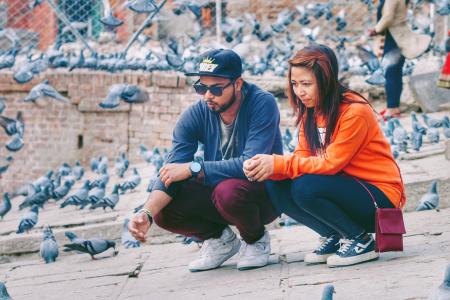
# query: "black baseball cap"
{"points": [[219, 63]]}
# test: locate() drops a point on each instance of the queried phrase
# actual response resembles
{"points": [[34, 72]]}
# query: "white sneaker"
{"points": [[254, 255], [215, 252]]}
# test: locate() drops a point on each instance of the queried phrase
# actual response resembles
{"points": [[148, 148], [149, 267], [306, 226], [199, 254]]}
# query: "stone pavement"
{"points": [[159, 271]]}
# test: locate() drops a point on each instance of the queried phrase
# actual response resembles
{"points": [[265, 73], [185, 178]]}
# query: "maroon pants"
{"points": [[204, 211]]}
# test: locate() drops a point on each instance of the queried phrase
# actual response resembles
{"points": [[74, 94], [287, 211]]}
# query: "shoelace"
{"points": [[344, 245], [324, 242]]}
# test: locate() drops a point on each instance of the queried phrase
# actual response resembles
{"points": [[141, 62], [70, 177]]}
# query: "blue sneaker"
{"points": [[354, 251], [328, 246]]}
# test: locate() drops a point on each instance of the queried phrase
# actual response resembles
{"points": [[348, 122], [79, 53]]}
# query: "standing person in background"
{"points": [[444, 78], [392, 22]]}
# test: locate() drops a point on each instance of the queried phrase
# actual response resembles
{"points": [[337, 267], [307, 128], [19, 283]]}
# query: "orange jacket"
{"points": [[358, 148]]}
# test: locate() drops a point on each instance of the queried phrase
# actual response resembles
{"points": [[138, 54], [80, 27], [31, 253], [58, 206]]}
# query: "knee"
{"points": [[166, 219], [305, 189], [228, 193]]}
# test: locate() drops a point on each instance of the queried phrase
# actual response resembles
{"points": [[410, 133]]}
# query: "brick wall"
{"points": [[54, 130]]}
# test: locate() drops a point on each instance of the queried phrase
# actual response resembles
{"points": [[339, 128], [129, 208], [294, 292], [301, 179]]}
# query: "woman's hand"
{"points": [[259, 167], [372, 32]]}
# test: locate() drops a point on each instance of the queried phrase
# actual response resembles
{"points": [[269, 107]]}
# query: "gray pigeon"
{"points": [[108, 19], [44, 89], [127, 239], [4, 292], [433, 135], [430, 200], [126, 92], [328, 292], [142, 6], [5, 206], [15, 143], [4, 163], [78, 171], [131, 182], [2, 104], [110, 201], [91, 246], [78, 197], [48, 248], [13, 126], [28, 220], [443, 291], [73, 237]]}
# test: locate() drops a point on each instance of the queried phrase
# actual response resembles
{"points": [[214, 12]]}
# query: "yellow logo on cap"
{"points": [[207, 65]]}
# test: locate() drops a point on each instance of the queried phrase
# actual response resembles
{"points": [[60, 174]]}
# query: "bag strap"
{"points": [[370, 193], [403, 186]]}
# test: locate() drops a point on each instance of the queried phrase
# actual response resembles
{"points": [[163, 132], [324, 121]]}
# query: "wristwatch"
{"points": [[195, 167]]}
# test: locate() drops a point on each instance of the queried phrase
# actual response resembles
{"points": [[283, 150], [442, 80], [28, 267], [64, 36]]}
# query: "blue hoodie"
{"points": [[257, 132]]}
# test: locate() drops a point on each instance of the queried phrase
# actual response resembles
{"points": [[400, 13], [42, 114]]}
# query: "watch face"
{"points": [[196, 167]]}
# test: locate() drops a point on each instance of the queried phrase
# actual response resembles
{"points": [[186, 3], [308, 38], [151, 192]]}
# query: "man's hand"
{"points": [[174, 172], [139, 226], [259, 167]]}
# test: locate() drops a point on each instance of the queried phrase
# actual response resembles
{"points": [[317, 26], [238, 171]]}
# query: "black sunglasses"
{"points": [[217, 91]]}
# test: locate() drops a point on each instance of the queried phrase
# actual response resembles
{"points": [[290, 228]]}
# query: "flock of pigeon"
{"points": [[240, 34]]}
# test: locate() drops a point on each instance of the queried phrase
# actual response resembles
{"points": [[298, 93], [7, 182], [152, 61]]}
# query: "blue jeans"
{"points": [[328, 205], [394, 74]]}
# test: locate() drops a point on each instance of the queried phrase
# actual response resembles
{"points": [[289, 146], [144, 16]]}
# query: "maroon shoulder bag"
{"points": [[389, 226]]}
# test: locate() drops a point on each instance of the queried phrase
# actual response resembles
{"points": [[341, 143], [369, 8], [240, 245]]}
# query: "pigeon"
{"points": [[157, 159], [4, 163], [446, 127], [104, 179], [122, 164], [127, 239], [400, 135], [431, 122], [4, 295], [78, 171], [416, 137], [110, 201], [78, 197], [151, 184], [95, 195], [429, 200], [35, 3], [2, 104], [142, 6], [45, 89], [65, 169], [44, 181], [108, 19], [13, 126], [132, 182], [5, 206], [126, 92], [49, 248], [419, 127], [433, 135], [37, 199], [15, 143], [91, 246], [62, 191], [443, 291], [28, 220], [147, 154], [328, 292], [73, 237], [25, 190]]}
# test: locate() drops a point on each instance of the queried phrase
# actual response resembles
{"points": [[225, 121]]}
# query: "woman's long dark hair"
{"points": [[322, 61]]}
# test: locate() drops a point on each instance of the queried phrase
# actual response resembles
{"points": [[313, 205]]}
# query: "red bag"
{"points": [[389, 226], [389, 229]]}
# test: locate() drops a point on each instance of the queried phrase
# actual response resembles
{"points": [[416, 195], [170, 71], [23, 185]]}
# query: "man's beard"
{"points": [[226, 106]]}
